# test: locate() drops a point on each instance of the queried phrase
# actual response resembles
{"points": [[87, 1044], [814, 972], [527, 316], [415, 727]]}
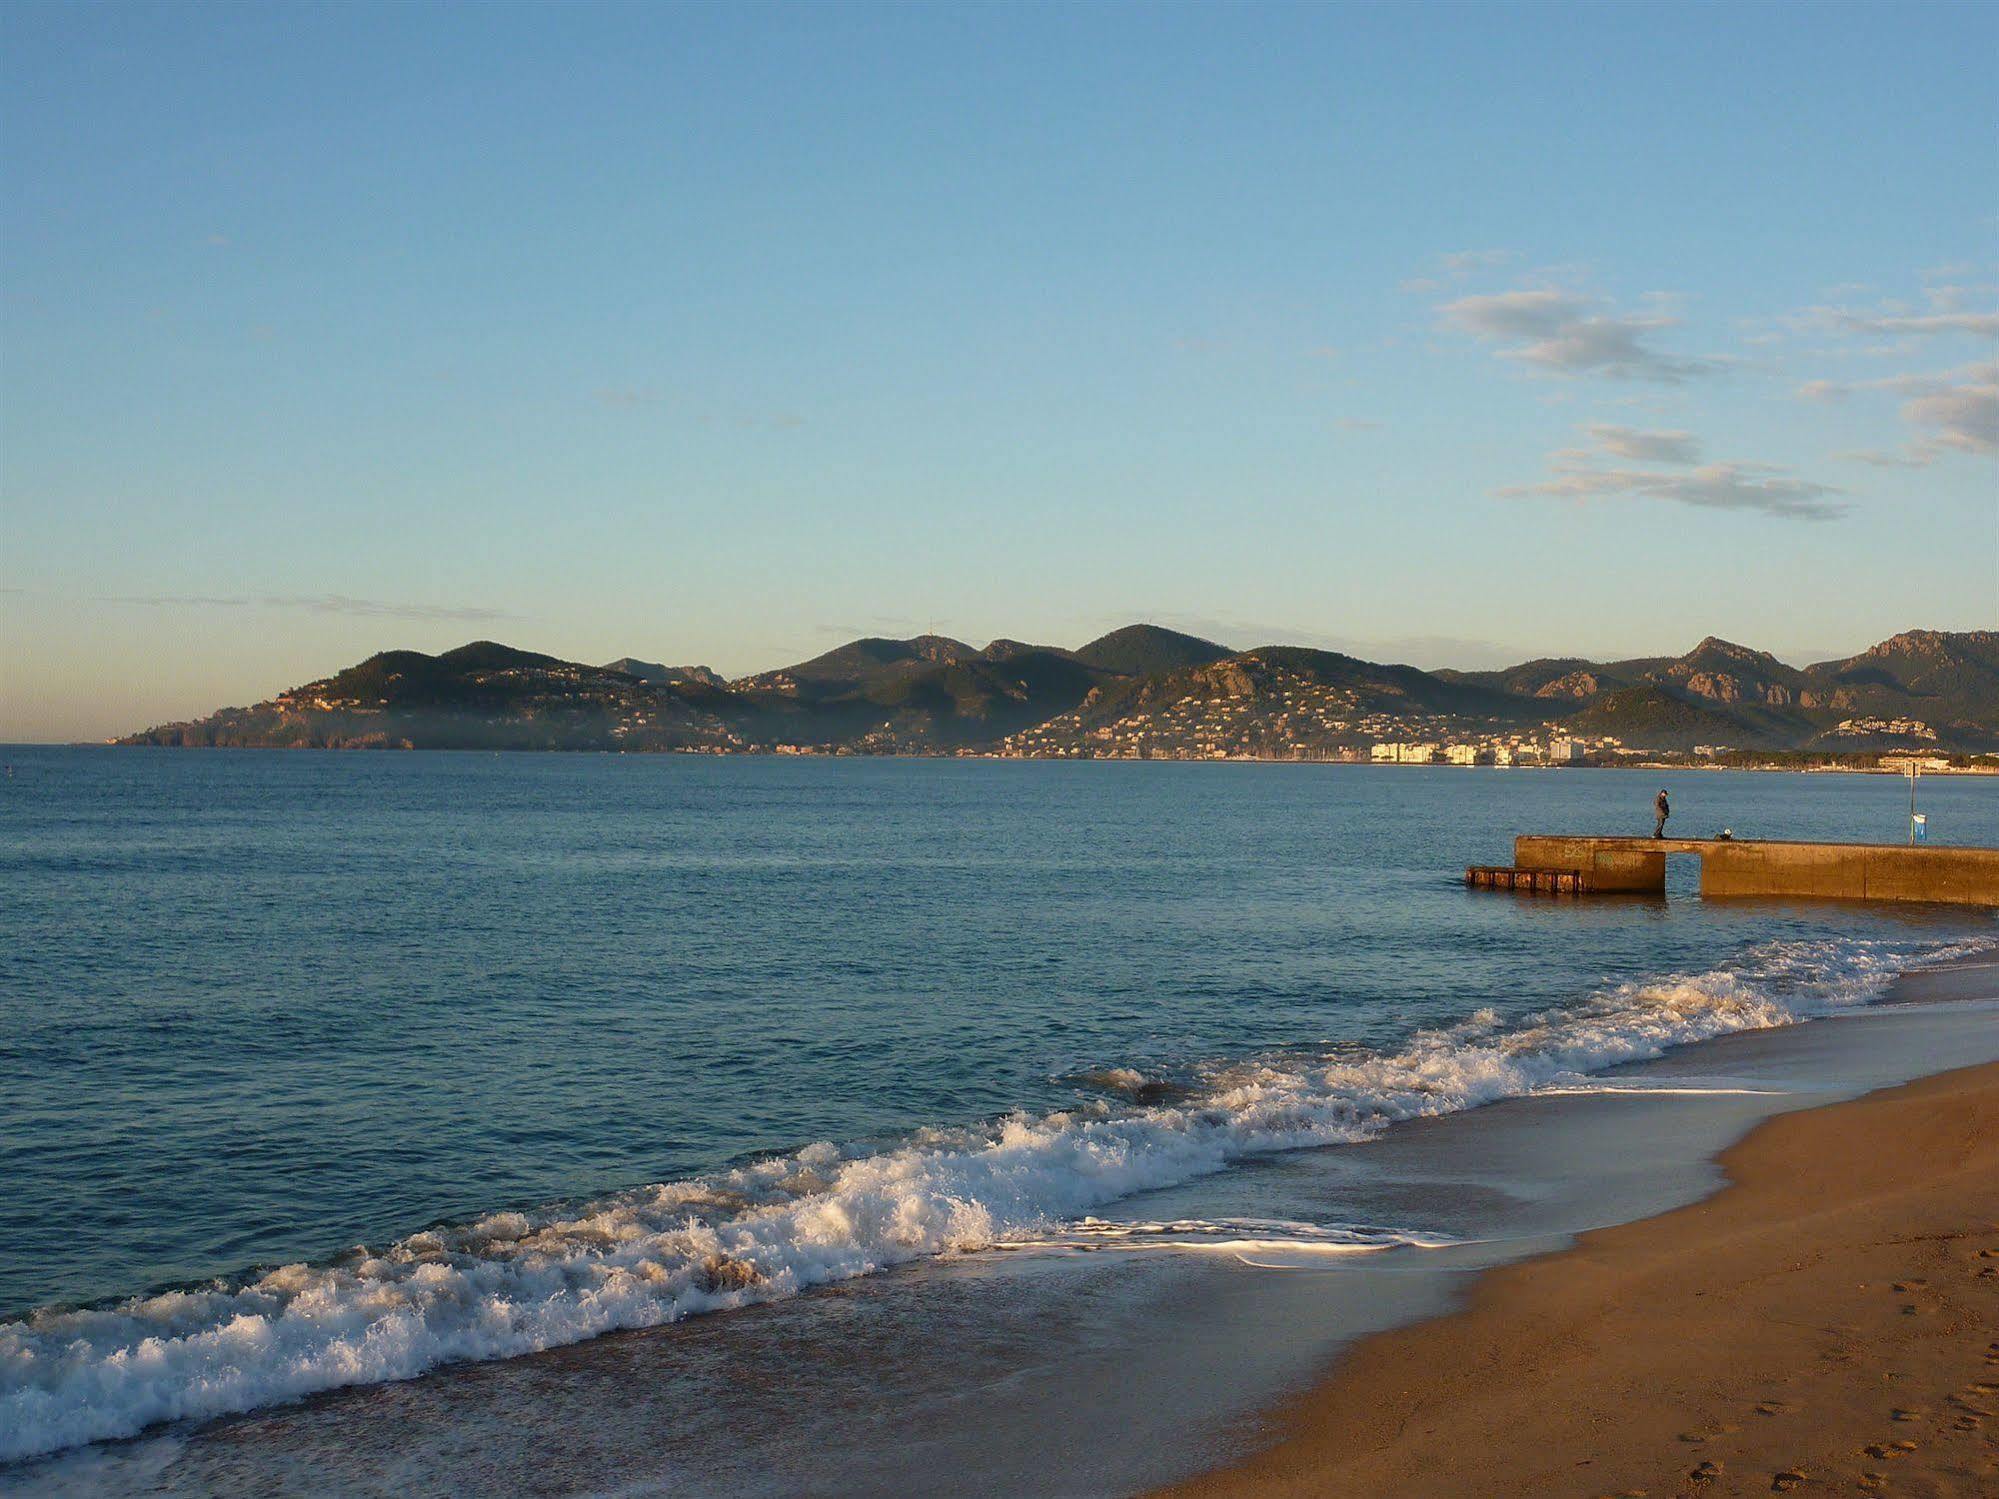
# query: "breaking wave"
{"points": [[517, 1282]]}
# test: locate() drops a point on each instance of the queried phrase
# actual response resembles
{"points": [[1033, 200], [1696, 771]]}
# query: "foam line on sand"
{"points": [[1828, 1322]]}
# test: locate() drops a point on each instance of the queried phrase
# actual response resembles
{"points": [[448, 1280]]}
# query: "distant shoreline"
{"points": [[1692, 763]]}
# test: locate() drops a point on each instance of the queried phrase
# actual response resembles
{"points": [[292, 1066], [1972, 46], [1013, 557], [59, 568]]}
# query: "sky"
{"points": [[1450, 334]]}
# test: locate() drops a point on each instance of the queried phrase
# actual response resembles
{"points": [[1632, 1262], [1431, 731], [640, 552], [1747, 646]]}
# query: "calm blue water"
{"points": [[258, 1008]]}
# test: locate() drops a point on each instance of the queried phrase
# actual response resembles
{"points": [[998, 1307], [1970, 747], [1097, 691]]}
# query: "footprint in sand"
{"points": [[1784, 1482], [1706, 1473], [1900, 1414], [1709, 1435], [1772, 1407]]}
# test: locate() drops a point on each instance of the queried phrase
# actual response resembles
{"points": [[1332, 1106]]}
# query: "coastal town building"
{"points": [[1403, 753], [1906, 763]]}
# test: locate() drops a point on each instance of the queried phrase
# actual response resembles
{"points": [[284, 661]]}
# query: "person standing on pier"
{"points": [[1664, 811]]}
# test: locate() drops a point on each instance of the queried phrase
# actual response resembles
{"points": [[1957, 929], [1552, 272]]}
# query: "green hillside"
{"points": [[1139, 690], [1148, 650]]}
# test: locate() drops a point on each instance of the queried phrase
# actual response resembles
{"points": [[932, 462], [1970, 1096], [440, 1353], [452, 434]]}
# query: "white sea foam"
{"points": [[1665, 1087], [514, 1283], [1238, 1237]]}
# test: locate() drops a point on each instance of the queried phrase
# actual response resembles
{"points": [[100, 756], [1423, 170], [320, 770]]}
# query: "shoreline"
{"points": [[1144, 1370], [1828, 1320]]}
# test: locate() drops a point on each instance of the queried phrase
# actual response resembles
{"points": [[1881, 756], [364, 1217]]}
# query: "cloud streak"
{"points": [[315, 603], [1880, 458], [1928, 324], [1674, 446], [1247, 633], [1566, 333], [1456, 267], [1753, 487]]}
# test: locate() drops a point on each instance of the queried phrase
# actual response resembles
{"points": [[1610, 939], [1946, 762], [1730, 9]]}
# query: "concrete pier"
{"points": [[1741, 866]]}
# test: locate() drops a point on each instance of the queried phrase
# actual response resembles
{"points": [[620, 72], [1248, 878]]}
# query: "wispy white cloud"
{"points": [[1956, 409], [1592, 474], [1965, 417], [1569, 333], [1949, 306], [1953, 296], [1856, 320], [1476, 260]]}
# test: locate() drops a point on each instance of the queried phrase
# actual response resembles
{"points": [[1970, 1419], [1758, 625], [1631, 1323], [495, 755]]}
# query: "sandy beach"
{"points": [[1829, 1322]]}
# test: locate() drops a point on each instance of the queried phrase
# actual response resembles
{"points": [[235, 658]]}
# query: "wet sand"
{"points": [[1827, 1323]]}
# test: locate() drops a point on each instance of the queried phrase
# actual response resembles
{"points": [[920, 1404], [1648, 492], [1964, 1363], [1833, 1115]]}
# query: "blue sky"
{"points": [[1444, 333]]}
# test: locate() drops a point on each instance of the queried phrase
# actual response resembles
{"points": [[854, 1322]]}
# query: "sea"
{"points": [[437, 1122]]}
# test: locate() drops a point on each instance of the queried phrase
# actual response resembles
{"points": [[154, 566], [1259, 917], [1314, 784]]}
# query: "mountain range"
{"points": [[1141, 690]]}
